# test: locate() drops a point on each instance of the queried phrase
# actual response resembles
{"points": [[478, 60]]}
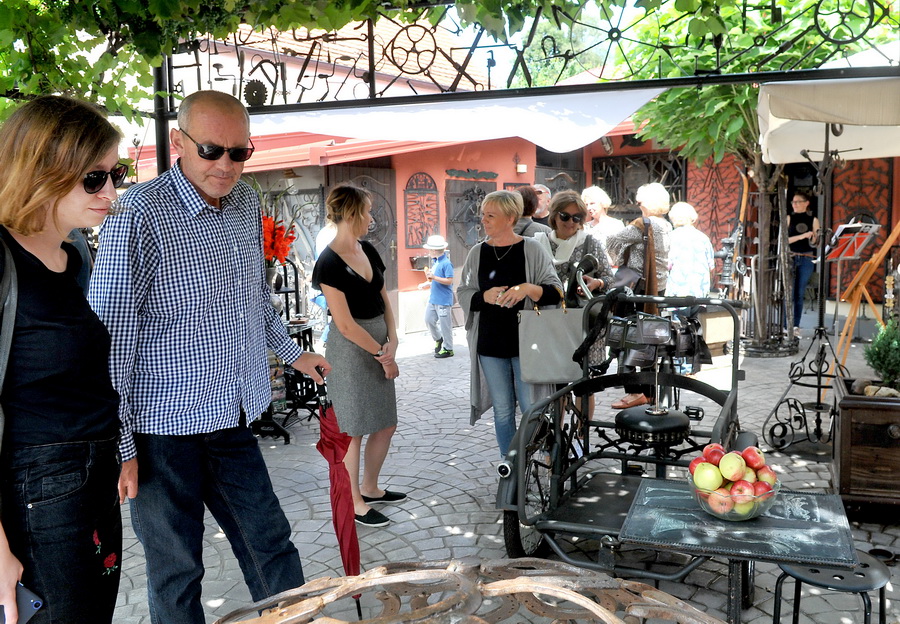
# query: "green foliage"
{"points": [[711, 121], [104, 50], [549, 57], [883, 354]]}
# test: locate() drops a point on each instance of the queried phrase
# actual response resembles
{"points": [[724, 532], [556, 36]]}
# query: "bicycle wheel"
{"points": [[525, 540]]}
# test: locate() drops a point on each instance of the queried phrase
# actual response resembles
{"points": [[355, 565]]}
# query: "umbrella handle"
{"points": [[321, 390]]}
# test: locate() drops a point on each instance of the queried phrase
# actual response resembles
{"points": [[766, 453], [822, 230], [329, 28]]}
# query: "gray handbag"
{"points": [[547, 341]]}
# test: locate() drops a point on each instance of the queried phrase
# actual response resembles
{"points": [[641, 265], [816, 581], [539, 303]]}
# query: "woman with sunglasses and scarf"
{"points": [[568, 243], [61, 523]]}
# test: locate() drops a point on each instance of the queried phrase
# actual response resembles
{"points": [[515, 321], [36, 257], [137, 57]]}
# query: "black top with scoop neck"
{"points": [[57, 387], [363, 297], [498, 328]]}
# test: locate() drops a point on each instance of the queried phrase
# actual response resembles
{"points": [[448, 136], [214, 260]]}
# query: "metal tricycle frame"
{"points": [[575, 501]]}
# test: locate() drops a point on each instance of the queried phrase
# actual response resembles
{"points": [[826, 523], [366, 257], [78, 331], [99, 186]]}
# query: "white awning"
{"points": [[559, 123], [793, 118]]}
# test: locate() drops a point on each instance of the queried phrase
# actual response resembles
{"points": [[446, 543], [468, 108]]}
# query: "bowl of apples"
{"points": [[736, 485]]}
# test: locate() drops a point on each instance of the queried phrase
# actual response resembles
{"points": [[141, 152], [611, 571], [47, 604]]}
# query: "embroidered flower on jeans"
{"points": [[110, 563], [97, 541]]}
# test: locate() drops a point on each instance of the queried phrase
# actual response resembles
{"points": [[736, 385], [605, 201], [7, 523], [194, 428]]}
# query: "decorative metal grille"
{"points": [[464, 215], [621, 176], [421, 201], [387, 58]]}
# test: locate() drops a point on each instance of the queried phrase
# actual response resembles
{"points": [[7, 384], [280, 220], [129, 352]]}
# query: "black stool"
{"points": [[870, 574]]}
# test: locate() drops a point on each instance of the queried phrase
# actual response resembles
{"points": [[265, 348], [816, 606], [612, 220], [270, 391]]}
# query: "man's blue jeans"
{"points": [[225, 471], [62, 519], [803, 270], [504, 382]]}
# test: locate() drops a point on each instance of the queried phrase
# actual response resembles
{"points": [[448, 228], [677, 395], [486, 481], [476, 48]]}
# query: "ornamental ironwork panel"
{"points": [[386, 57], [621, 176], [463, 201], [420, 199]]}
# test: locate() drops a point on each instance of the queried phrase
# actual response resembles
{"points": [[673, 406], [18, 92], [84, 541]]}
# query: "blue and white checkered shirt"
{"points": [[181, 287]]}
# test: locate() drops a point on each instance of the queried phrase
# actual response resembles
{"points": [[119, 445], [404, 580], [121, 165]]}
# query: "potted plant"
{"points": [[883, 355], [867, 426]]}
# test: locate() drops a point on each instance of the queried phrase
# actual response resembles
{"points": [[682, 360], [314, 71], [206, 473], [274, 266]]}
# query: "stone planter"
{"points": [[866, 463]]}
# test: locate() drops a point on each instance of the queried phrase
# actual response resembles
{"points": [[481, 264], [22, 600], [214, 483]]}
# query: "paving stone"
{"points": [[448, 468]]}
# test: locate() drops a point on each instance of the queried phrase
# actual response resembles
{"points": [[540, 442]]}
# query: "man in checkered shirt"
{"points": [[180, 283]]}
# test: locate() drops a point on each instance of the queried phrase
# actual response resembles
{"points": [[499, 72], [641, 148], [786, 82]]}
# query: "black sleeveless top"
{"points": [[57, 387]]}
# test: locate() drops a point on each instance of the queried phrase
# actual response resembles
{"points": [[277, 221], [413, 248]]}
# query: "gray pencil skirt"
{"points": [[364, 401]]}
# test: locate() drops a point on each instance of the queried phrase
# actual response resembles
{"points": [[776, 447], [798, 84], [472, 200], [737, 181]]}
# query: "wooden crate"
{"points": [[866, 463]]}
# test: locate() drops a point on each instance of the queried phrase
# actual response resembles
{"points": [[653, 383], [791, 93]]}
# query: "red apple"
{"points": [[707, 476], [767, 475], [749, 475], [754, 457], [709, 447], [714, 456], [742, 492], [720, 502], [762, 490], [732, 466], [694, 462]]}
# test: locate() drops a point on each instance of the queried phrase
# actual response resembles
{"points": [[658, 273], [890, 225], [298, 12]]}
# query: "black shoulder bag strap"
{"points": [[9, 291]]}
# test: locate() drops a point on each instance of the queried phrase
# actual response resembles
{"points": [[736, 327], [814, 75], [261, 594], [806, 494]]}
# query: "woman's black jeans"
{"points": [[62, 519]]}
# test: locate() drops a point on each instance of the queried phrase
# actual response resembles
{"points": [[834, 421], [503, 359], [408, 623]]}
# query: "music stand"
{"points": [[847, 244]]}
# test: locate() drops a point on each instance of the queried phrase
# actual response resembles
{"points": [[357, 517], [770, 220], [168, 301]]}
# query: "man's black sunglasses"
{"points": [[96, 180], [215, 152], [565, 217]]}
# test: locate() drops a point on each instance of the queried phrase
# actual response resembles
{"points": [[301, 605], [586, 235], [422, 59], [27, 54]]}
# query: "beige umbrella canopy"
{"points": [[792, 117]]}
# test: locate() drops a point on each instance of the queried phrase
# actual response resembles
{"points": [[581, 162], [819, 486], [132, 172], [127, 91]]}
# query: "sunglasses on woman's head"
{"points": [[565, 217], [94, 181], [215, 152]]}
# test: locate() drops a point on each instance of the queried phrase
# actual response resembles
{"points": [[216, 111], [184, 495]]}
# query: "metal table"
{"points": [[800, 528]]}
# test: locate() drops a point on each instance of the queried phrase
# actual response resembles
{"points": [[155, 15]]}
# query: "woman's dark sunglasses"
{"points": [[565, 217], [94, 181], [215, 152]]}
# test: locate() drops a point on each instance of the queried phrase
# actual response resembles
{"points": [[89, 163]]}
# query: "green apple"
{"points": [[744, 509], [707, 477], [732, 466]]}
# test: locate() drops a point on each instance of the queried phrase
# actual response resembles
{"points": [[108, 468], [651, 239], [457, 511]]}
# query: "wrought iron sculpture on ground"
{"points": [[477, 592]]}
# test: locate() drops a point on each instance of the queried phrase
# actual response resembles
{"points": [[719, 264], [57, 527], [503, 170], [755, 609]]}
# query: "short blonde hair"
{"points": [[682, 213], [596, 194], [46, 147], [346, 202], [654, 197], [509, 202]]}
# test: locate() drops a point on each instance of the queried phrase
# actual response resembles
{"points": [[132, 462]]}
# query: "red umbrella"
{"points": [[333, 445]]}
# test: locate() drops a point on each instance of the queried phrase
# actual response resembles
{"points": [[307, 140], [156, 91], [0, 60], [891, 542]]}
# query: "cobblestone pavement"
{"points": [[448, 469]]}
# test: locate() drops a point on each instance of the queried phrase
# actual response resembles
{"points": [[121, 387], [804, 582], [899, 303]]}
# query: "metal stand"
{"points": [[800, 421]]}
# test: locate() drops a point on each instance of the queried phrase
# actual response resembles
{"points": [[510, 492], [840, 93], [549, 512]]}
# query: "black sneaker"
{"points": [[443, 353], [437, 345], [387, 497], [372, 519]]}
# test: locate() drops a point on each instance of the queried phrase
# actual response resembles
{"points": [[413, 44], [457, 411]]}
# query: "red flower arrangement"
{"points": [[277, 240]]}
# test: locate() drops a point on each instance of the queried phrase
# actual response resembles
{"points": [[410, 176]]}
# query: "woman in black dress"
{"points": [[61, 524], [361, 347]]}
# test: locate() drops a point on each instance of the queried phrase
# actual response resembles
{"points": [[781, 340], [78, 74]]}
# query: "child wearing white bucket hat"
{"points": [[437, 312]]}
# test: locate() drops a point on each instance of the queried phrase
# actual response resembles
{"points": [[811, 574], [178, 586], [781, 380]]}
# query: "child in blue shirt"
{"points": [[437, 311]]}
